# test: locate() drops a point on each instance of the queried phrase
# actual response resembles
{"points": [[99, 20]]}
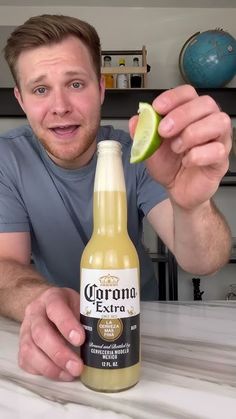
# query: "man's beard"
{"points": [[72, 152]]}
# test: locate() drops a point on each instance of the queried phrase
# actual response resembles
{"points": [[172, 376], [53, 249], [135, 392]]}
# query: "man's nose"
{"points": [[60, 103]]}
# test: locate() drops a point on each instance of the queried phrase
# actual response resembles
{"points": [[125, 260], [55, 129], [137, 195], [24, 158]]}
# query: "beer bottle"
{"points": [[122, 79], [109, 79], [135, 79], [109, 291]]}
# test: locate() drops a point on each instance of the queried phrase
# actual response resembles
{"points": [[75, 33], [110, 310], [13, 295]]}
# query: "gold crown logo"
{"points": [[108, 281]]}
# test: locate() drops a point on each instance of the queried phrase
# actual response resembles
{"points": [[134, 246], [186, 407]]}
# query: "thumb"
{"points": [[132, 125]]}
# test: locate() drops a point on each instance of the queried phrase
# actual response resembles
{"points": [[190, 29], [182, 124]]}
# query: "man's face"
{"points": [[61, 96]]}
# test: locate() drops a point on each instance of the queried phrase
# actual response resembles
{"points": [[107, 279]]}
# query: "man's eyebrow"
{"points": [[43, 77], [75, 73], [36, 80]]}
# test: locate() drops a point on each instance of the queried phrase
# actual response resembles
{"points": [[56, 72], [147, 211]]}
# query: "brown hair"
{"points": [[48, 29]]}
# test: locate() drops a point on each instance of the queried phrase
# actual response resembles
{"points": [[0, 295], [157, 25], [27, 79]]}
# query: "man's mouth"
{"points": [[64, 131]]}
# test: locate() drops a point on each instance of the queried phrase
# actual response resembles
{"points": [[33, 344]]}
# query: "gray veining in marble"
{"points": [[188, 371]]}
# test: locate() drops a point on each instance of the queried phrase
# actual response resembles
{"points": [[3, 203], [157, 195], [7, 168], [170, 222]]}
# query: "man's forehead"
{"points": [[61, 57]]}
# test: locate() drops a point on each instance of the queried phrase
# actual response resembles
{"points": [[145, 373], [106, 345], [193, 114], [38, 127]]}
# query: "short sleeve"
{"points": [[13, 216]]}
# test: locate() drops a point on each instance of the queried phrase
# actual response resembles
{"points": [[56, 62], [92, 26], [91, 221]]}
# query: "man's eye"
{"points": [[76, 85], [40, 90]]}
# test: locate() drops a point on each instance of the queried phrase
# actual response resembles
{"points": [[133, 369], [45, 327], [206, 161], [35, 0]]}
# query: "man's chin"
{"points": [[72, 159], [72, 152]]}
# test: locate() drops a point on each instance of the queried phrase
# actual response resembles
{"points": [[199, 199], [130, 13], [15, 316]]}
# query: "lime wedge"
{"points": [[146, 138]]}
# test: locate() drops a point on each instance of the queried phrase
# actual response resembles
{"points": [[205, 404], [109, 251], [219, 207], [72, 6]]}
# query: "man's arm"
{"points": [[49, 315], [19, 286], [200, 239], [190, 163], [20, 283]]}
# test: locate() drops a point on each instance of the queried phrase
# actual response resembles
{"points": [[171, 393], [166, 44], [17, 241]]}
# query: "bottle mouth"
{"points": [[108, 145]]}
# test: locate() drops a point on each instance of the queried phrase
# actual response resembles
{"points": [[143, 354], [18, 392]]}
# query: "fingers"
{"points": [[208, 129], [172, 98], [36, 362], [194, 130], [166, 102], [180, 108], [49, 322], [185, 115], [211, 154], [60, 309], [132, 124]]}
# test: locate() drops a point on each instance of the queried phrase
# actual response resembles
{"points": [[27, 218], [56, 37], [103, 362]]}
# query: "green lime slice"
{"points": [[146, 138]]}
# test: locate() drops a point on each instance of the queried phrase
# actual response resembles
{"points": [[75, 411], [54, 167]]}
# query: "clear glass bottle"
{"points": [[135, 79], [109, 79], [109, 291], [122, 79]]}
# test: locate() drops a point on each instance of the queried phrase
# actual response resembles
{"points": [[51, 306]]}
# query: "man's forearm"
{"points": [[19, 285], [202, 239]]}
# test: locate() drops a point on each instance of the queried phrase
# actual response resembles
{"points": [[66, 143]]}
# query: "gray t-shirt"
{"points": [[55, 205]]}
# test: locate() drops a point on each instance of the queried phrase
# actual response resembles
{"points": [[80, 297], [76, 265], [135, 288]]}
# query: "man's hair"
{"points": [[47, 30]]}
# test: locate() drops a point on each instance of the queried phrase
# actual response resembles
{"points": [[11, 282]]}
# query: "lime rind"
{"points": [[146, 138]]}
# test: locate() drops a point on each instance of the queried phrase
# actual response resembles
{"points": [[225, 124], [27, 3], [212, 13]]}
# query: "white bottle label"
{"points": [[110, 308], [109, 292], [122, 81]]}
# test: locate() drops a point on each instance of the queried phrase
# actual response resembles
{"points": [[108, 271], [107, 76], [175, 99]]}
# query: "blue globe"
{"points": [[208, 59]]}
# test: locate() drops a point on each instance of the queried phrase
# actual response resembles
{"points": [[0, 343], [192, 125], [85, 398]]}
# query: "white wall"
{"points": [[163, 32]]}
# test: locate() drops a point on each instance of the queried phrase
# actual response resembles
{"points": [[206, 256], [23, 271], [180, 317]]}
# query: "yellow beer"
{"points": [[110, 284]]}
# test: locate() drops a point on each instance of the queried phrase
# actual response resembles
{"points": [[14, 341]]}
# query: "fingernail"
{"points": [[73, 368], [75, 337], [64, 376], [166, 125], [177, 145]]}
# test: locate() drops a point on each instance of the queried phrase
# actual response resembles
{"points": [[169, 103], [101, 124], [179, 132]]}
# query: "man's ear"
{"points": [[102, 89], [19, 97]]}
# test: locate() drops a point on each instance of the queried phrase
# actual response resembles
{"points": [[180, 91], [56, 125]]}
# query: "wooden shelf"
{"points": [[124, 70], [127, 69], [123, 103]]}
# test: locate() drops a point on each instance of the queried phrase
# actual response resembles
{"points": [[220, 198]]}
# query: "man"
{"points": [[46, 182]]}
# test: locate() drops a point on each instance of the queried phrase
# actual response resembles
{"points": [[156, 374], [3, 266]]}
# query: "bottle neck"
{"points": [[109, 202], [122, 63], [109, 213], [107, 64]]}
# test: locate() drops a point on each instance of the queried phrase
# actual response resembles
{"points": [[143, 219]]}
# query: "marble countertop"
{"points": [[188, 371]]}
